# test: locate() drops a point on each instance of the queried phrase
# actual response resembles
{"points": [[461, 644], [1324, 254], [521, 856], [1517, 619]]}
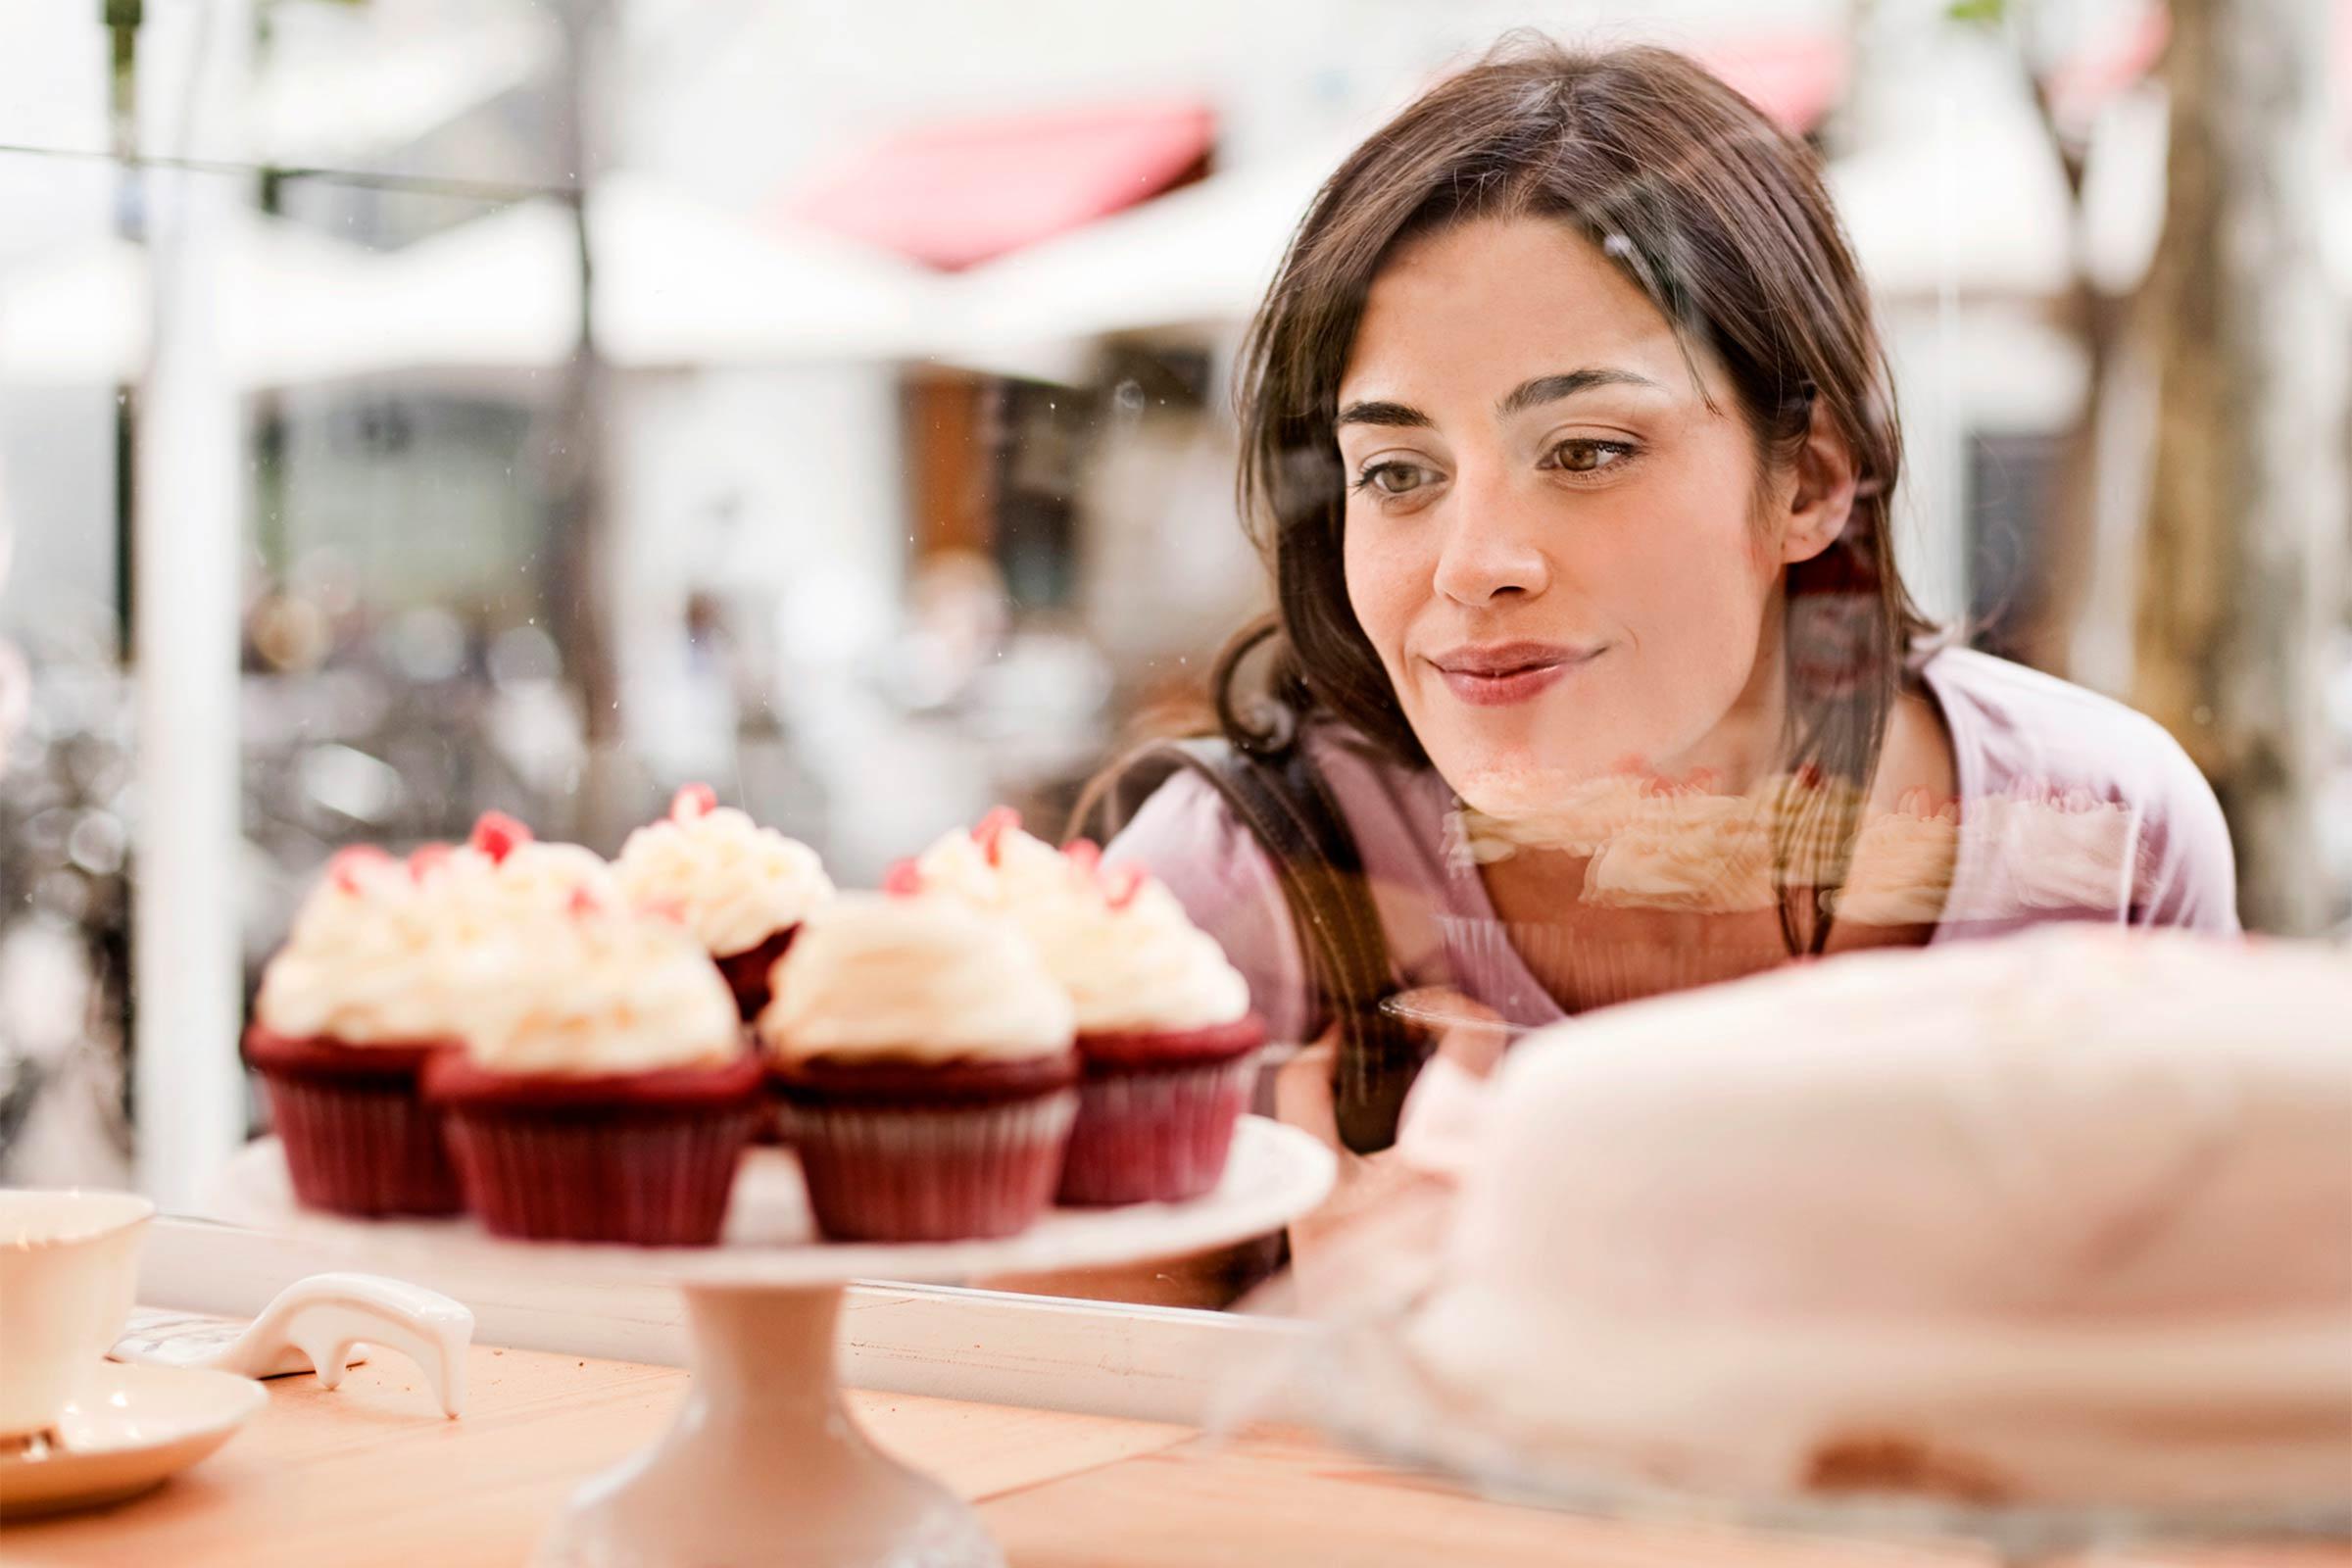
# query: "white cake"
{"points": [[2061, 1218]]}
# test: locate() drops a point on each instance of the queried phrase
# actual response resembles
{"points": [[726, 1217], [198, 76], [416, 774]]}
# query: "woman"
{"points": [[1571, 441]]}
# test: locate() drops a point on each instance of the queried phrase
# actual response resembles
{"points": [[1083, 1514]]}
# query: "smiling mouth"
{"points": [[1501, 676]]}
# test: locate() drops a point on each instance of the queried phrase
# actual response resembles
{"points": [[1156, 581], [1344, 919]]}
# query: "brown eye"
{"points": [[1588, 457], [1392, 478]]}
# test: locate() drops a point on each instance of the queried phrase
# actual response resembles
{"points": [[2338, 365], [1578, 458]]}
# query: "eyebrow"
{"points": [[1525, 396], [1391, 413], [1552, 388]]}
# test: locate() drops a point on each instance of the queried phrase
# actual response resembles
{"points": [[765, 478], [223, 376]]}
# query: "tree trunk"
{"points": [[2247, 526]]}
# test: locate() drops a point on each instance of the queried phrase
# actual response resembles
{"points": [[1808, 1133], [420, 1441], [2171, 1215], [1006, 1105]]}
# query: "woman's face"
{"points": [[1554, 544]]}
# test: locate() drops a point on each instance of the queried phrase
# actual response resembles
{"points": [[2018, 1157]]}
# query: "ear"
{"points": [[1818, 493]]}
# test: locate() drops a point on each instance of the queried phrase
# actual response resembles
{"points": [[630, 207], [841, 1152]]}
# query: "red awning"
{"points": [[959, 194], [1794, 79]]}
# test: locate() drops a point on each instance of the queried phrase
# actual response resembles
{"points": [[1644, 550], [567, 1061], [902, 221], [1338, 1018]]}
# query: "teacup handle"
{"points": [[321, 1321]]}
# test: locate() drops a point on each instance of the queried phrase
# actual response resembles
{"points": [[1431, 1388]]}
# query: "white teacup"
{"points": [[69, 1271]]}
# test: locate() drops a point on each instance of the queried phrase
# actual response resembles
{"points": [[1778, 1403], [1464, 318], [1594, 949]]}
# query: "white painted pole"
{"points": [[187, 527]]}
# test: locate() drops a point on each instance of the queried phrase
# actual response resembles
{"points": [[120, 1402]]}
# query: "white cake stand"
{"points": [[764, 1463]]}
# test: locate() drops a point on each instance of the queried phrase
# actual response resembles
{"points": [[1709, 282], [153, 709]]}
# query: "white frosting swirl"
{"points": [[373, 959], [1135, 965], [733, 882], [994, 873], [874, 978], [1130, 963], [482, 896], [598, 991]]}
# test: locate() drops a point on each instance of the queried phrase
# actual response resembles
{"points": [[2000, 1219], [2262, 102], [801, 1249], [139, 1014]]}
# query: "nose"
{"points": [[1489, 550]]}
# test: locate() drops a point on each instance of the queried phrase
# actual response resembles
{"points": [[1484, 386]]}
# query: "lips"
{"points": [[1496, 674]]}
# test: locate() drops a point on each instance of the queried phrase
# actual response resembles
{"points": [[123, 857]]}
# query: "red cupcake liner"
{"points": [[1154, 1136], [747, 972], [645, 1159], [358, 1137], [928, 1173]]}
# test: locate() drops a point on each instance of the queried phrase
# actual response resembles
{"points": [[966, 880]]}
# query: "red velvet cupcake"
{"points": [[1167, 1042], [1156, 1110], [363, 993], [606, 1096], [742, 888], [358, 1137], [920, 1060]]}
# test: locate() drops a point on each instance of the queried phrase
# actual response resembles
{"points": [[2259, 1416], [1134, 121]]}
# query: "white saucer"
{"points": [[126, 1430]]}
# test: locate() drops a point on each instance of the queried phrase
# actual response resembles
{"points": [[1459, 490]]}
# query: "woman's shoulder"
{"points": [[2030, 727], [2020, 733]]}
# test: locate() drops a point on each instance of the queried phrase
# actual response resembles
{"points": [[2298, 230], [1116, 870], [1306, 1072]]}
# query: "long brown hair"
{"points": [[1723, 223]]}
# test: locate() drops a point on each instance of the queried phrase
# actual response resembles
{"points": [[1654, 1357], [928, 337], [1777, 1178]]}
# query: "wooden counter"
{"points": [[369, 1477]]}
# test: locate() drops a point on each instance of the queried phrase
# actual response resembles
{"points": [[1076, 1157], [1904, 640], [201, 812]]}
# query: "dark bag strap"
{"points": [[1283, 803]]}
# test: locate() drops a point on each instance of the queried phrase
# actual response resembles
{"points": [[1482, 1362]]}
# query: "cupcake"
{"points": [[363, 993], [1166, 1040], [741, 889], [600, 1093], [919, 1057]]}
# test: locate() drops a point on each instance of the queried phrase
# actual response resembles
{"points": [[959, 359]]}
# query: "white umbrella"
{"points": [[1983, 207], [677, 283], [498, 293], [1201, 255], [292, 307], [681, 283]]}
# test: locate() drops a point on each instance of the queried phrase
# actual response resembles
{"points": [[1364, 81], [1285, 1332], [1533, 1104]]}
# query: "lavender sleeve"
{"points": [[1187, 837], [2019, 732], [2187, 871]]}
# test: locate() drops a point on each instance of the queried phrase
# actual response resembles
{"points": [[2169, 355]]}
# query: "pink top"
{"points": [[2161, 857]]}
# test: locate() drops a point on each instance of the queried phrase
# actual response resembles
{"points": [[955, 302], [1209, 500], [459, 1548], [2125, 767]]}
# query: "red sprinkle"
{"points": [[347, 864], [584, 901], [497, 835], [1121, 883], [991, 831], [903, 880], [1084, 854], [693, 800]]}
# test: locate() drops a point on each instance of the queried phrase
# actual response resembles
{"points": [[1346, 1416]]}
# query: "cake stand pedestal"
{"points": [[764, 1463]]}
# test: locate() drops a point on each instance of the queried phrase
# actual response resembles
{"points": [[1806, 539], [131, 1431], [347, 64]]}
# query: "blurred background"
{"points": [[415, 406]]}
